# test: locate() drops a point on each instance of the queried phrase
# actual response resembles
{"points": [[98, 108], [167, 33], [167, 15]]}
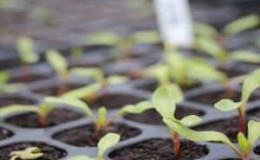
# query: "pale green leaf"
{"points": [[243, 144], [226, 105], [108, 141], [102, 116], [136, 109], [12, 88], [116, 79], [29, 153], [146, 37], [211, 47], [81, 157], [94, 73], [73, 103], [16, 108], [4, 77], [245, 56], [191, 120], [198, 136], [242, 24], [83, 92], [25, 48], [205, 30], [251, 83], [158, 71], [253, 132], [102, 38], [58, 63]]}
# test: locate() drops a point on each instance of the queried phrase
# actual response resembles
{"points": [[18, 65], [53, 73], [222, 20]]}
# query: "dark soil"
{"points": [[15, 99], [55, 90], [228, 126], [113, 101], [31, 78], [50, 152], [152, 117], [257, 150], [255, 113], [4, 133], [159, 149], [210, 97], [57, 116], [83, 136], [232, 72]]}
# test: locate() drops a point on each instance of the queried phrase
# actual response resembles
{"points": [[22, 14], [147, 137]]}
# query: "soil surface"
{"points": [[83, 136], [56, 117], [31, 78], [159, 149], [50, 152], [152, 117], [4, 133], [257, 150], [211, 97], [113, 101], [14, 99], [232, 72], [55, 90]]}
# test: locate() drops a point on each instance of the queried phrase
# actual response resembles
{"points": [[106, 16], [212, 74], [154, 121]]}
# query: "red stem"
{"points": [[25, 73], [63, 87], [177, 145], [42, 120], [241, 121]]}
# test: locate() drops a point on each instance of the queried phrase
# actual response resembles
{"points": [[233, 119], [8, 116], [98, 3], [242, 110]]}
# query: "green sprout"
{"points": [[8, 88], [26, 154], [123, 44], [106, 142], [250, 84], [245, 145], [25, 48], [164, 101]]}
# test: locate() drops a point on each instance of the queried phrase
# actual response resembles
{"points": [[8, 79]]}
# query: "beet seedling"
{"points": [[25, 48], [30, 153], [164, 101], [8, 88], [245, 144], [106, 142], [250, 84]]}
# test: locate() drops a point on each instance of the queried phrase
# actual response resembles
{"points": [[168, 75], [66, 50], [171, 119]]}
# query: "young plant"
{"points": [[245, 144], [30, 153], [250, 84], [28, 55], [8, 88], [106, 142], [164, 101], [123, 44]]}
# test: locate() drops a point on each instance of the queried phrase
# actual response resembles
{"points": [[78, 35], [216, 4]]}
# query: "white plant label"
{"points": [[175, 22]]}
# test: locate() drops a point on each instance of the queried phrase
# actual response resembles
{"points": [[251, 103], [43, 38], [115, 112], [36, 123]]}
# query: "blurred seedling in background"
{"points": [[8, 88], [106, 142], [28, 56], [12, 5], [207, 35], [123, 45], [101, 121], [164, 101], [30, 153], [250, 84], [245, 144]]}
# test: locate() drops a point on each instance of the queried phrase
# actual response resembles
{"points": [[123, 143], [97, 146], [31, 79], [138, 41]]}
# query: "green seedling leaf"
{"points": [[253, 132], [205, 30], [25, 48], [136, 109], [83, 92], [29, 153], [243, 144], [103, 38], [160, 72], [242, 24], [116, 79], [198, 136], [102, 116], [165, 98], [82, 157], [12, 88], [245, 56], [210, 47], [58, 63], [6, 110], [108, 141], [70, 103], [94, 73], [4, 77], [146, 37], [191, 120], [251, 83], [227, 105]]}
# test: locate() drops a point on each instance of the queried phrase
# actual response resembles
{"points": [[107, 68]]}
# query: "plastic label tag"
{"points": [[175, 22]]}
